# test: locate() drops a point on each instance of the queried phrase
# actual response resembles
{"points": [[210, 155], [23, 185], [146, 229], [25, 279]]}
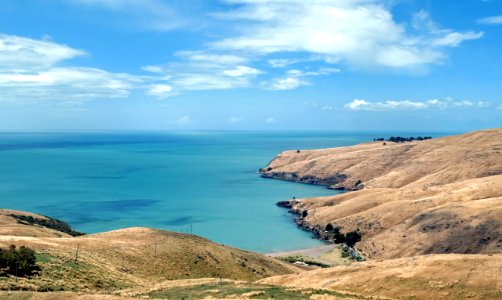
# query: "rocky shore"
{"points": [[337, 182]]}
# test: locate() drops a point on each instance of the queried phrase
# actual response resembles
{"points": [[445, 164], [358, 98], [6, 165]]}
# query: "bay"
{"points": [[206, 182]]}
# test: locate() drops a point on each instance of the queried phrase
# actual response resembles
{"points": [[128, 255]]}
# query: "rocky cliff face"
{"points": [[436, 196]]}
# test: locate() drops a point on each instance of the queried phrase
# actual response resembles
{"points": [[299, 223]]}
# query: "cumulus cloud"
{"points": [[494, 20], [240, 71], [213, 58], [197, 81], [295, 78], [283, 33], [204, 70], [282, 62], [363, 105], [274, 33], [453, 39], [19, 53], [160, 90], [286, 83], [361, 33], [30, 71], [152, 69]]}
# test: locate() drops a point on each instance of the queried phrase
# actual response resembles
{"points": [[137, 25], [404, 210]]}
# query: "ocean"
{"points": [[203, 182]]}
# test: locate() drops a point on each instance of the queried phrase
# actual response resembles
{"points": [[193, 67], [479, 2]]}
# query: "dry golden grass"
{"points": [[436, 196], [447, 276], [423, 163], [134, 257], [9, 226]]}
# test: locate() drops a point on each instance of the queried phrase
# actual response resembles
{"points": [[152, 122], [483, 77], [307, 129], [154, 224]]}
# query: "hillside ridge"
{"points": [[447, 192]]}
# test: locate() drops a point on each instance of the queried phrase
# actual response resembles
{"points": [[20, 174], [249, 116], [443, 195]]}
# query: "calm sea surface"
{"points": [[204, 180]]}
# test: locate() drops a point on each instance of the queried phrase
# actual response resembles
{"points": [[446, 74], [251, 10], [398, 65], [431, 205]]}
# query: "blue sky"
{"points": [[250, 65]]}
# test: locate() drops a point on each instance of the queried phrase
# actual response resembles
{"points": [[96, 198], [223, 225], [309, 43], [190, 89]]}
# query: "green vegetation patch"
{"points": [[50, 223], [18, 262], [305, 260], [43, 258]]}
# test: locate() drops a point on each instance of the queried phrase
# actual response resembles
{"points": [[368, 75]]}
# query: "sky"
{"points": [[90, 65]]}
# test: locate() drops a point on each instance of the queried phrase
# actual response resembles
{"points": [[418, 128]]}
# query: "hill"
{"points": [[393, 165], [437, 196], [12, 226], [437, 276], [129, 257]]}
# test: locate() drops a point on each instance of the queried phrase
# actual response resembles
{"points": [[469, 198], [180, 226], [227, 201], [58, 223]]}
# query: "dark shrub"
{"points": [[351, 238], [48, 223], [338, 237], [18, 262]]}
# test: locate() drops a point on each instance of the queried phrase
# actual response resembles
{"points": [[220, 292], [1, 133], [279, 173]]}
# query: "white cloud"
{"points": [[199, 81], [240, 71], [287, 83], [363, 105], [29, 71], [282, 62], [235, 120], [453, 39], [160, 90], [321, 71], [185, 120], [270, 120], [19, 53], [361, 33], [423, 20], [202, 70], [152, 69], [484, 104], [295, 78], [494, 20], [213, 58]]}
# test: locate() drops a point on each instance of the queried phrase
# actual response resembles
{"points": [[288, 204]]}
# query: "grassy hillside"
{"points": [[422, 277], [393, 165], [436, 196], [131, 257], [11, 226]]}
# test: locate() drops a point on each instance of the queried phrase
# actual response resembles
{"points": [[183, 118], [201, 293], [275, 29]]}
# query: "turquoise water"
{"points": [[204, 180]]}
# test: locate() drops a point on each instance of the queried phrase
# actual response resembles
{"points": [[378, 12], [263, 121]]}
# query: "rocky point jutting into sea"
{"points": [[441, 195]]}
